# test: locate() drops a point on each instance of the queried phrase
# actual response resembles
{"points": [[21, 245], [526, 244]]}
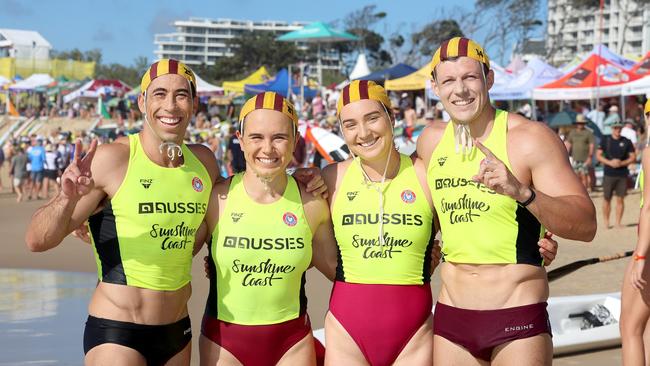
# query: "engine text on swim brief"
{"points": [[373, 247], [446, 183], [387, 218], [145, 208], [243, 242], [175, 237], [263, 273], [464, 209]]}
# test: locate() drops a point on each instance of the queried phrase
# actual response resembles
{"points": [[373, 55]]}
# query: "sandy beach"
{"points": [[74, 255]]}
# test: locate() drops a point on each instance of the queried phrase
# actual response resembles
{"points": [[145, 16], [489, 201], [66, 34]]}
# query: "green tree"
{"points": [[361, 23], [427, 40], [250, 51]]}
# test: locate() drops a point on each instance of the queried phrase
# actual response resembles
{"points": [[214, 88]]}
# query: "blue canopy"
{"points": [[390, 73], [280, 85]]}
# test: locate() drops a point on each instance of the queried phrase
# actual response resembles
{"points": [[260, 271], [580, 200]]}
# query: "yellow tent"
{"points": [[258, 77], [415, 81]]}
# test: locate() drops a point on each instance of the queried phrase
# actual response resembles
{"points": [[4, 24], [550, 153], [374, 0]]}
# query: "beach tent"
{"points": [[606, 53], [393, 72], [279, 84], [637, 87], [205, 88], [536, 73], [642, 85], [260, 76], [643, 66], [93, 88], [32, 82], [360, 67], [585, 82], [418, 80]]}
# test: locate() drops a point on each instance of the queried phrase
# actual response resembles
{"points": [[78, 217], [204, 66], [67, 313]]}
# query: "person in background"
{"points": [[612, 118], [580, 144], [616, 153], [18, 172], [36, 156]]}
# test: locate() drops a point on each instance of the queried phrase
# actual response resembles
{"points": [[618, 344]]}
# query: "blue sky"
{"points": [[124, 29]]}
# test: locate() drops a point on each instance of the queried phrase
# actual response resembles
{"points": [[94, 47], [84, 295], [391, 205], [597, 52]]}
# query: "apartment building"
{"points": [[201, 40], [573, 31]]}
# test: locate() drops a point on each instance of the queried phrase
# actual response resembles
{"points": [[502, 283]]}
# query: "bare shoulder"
{"points": [[531, 136], [332, 172], [108, 157], [429, 139], [205, 155]]}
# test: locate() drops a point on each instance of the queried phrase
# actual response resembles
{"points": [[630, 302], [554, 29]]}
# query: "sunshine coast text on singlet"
{"points": [[259, 254], [404, 257], [478, 225], [144, 236]]}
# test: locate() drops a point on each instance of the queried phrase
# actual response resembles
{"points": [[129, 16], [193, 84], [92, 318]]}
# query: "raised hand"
{"points": [[76, 180], [495, 175]]}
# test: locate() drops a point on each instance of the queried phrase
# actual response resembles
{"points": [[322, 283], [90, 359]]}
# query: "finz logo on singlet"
{"points": [[408, 196], [235, 216], [197, 184], [441, 160], [146, 183], [289, 219], [352, 195]]}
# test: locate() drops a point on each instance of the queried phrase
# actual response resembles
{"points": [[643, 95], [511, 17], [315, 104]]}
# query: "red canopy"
{"points": [[583, 82]]}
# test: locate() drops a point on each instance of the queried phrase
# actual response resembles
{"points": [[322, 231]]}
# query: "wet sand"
{"points": [[74, 255]]}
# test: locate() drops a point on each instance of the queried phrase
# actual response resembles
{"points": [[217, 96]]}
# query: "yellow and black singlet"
{"points": [[258, 257], [145, 234], [405, 256], [479, 226]]}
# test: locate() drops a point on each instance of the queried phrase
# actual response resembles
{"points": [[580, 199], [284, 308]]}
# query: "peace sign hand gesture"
{"points": [[76, 180], [495, 175]]}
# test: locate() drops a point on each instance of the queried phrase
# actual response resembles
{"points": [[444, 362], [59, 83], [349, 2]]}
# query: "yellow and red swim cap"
{"points": [[272, 101], [459, 47], [362, 89], [164, 67]]}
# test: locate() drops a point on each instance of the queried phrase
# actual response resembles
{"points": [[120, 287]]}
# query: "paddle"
{"points": [[568, 268]]}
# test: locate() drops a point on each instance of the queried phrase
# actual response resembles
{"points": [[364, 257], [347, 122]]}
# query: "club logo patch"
{"points": [[408, 196], [289, 219], [441, 160], [197, 184]]}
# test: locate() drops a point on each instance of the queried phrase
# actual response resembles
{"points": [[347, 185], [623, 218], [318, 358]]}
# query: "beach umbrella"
{"points": [[318, 32]]}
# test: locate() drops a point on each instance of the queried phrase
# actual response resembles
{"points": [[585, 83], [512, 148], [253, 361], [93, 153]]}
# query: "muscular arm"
{"points": [[52, 222], [562, 204]]}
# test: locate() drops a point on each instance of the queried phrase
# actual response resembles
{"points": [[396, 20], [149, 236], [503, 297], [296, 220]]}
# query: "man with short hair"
{"points": [[612, 118], [615, 153], [580, 144], [36, 156], [497, 180]]}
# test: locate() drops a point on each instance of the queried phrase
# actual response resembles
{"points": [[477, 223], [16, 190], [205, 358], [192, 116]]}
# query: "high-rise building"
{"points": [[203, 41], [575, 31]]}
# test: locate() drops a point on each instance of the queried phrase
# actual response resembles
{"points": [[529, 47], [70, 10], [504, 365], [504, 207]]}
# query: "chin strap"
{"points": [[463, 138]]}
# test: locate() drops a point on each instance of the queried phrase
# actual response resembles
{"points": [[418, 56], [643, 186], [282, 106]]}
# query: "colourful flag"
{"points": [[11, 109], [101, 109]]}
